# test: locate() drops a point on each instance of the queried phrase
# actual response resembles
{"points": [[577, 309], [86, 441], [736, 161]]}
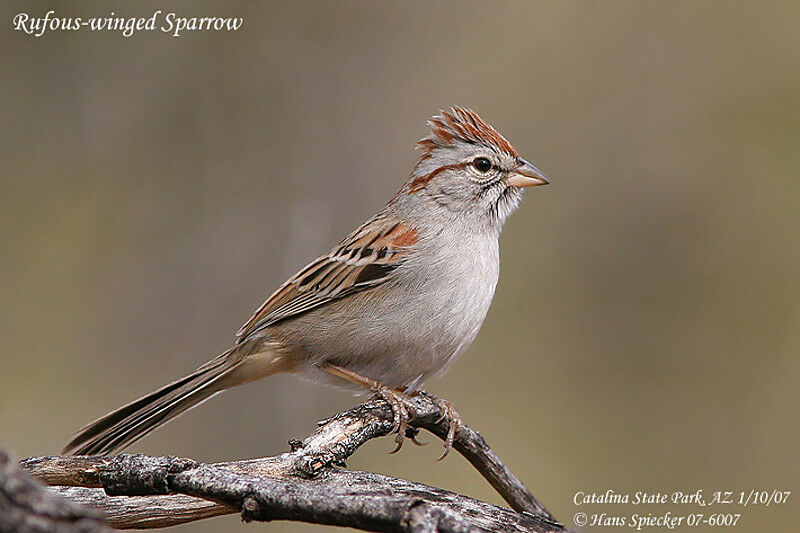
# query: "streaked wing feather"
{"points": [[363, 260]]}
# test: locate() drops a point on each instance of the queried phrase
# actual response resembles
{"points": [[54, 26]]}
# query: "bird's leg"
{"points": [[449, 413], [402, 410]]}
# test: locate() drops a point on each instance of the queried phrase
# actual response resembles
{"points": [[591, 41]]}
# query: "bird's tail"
{"points": [[133, 421]]}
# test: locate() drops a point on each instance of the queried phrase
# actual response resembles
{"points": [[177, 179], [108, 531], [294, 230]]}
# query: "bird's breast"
{"points": [[410, 328]]}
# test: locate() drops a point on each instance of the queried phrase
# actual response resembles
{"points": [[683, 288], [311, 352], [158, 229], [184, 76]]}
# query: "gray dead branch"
{"points": [[308, 483]]}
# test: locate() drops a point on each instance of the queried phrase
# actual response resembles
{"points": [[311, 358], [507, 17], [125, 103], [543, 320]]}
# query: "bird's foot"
{"points": [[450, 414], [402, 408], [402, 412], [447, 412]]}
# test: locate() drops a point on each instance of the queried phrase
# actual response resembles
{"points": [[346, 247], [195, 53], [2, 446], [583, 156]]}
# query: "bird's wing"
{"points": [[365, 259]]}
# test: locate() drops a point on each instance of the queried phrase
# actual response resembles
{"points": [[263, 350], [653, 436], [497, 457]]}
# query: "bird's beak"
{"points": [[526, 175]]}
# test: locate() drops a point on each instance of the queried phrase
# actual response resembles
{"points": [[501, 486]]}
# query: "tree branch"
{"points": [[27, 507], [303, 484]]}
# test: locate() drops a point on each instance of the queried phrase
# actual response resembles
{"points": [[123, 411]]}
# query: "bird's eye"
{"points": [[482, 164]]}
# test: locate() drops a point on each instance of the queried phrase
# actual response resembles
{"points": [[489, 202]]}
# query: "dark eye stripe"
{"points": [[420, 182]]}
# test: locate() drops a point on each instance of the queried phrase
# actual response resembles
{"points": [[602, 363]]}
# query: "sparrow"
{"points": [[393, 304]]}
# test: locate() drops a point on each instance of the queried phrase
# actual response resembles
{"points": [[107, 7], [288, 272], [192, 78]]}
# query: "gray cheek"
{"points": [[453, 196]]}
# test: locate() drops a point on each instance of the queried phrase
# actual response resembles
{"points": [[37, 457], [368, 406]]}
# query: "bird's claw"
{"points": [[449, 413], [411, 434], [402, 412]]}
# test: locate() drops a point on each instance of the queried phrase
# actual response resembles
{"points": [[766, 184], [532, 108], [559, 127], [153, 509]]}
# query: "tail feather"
{"points": [[133, 421], [160, 412]]}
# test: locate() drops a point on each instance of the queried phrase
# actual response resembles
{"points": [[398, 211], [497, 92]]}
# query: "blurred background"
{"points": [[646, 328]]}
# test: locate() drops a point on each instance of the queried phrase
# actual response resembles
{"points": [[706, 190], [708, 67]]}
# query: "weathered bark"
{"points": [[26, 506], [306, 484]]}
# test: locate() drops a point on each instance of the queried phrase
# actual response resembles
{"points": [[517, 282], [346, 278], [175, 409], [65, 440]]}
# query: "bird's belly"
{"points": [[399, 358], [394, 344]]}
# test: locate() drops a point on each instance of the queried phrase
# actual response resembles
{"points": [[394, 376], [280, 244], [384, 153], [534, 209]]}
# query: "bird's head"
{"points": [[468, 168]]}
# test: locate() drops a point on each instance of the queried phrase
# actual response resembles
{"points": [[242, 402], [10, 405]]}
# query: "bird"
{"points": [[393, 304]]}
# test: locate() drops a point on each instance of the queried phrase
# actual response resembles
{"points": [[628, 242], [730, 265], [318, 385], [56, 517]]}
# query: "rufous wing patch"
{"points": [[364, 260], [402, 236]]}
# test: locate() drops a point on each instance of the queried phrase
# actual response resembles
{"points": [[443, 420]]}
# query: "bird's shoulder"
{"points": [[364, 259]]}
